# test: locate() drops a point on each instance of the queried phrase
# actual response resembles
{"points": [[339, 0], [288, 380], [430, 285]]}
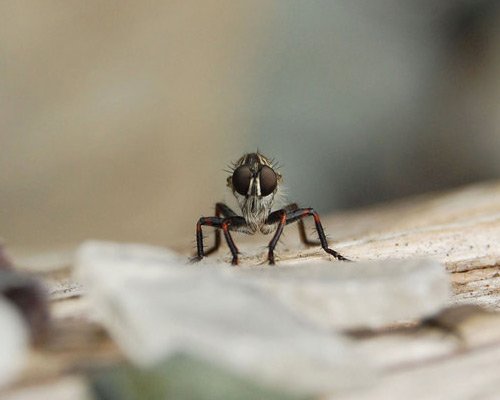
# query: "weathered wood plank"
{"points": [[435, 360]]}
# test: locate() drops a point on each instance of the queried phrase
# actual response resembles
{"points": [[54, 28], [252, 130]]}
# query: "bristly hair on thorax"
{"points": [[255, 183]]}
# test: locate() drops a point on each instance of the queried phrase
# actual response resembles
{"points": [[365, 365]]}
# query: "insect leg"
{"points": [[278, 217], [226, 224], [208, 221], [230, 242], [300, 213], [302, 228], [220, 210]]}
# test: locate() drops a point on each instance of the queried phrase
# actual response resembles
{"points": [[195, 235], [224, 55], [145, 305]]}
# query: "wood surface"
{"points": [[454, 355]]}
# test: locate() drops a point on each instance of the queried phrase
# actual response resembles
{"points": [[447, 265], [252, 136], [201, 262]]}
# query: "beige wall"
{"points": [[117, 117]]}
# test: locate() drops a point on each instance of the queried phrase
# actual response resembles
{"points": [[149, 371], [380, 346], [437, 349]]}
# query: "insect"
{"points": [[254, 182]]}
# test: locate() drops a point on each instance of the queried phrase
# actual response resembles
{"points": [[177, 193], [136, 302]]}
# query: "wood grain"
{"points": [[454, 355]]}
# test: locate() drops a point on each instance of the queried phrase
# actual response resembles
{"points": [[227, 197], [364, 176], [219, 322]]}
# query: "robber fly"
{"points": [[254, 182]]}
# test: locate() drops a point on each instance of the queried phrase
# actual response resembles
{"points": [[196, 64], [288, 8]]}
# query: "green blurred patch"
{"points": [[181, 377]]}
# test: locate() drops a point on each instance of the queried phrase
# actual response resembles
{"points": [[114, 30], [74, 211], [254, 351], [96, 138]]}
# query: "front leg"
{"points": [[279, 218], [232, 223]]}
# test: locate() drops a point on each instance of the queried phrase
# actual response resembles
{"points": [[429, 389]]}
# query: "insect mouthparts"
{"points": [[253, 207]]}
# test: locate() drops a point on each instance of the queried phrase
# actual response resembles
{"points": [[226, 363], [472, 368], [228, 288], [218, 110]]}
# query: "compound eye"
{"points": [[268, 180], [241, 179]]}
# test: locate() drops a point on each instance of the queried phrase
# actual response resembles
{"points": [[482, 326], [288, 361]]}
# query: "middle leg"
{"points": [[226, 224], [302, 227], [284, 217], [300, 213], [220, 210]]}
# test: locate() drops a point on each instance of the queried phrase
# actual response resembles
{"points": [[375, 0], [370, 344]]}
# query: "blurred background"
{"points": [[118, 118]]}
